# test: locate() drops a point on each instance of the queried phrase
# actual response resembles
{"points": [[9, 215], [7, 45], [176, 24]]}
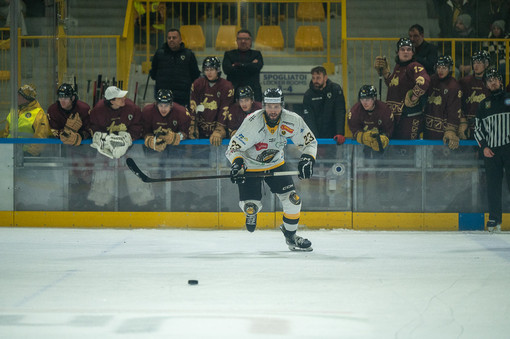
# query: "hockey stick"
{"points": [[379, 142], [146, 85], [138, 172]]}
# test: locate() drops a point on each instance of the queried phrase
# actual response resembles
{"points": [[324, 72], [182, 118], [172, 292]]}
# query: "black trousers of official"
{"points": [[494, 168]]}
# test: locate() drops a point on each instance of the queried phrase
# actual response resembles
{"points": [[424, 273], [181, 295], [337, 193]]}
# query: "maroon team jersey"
{"points": [[443, 108], [236, 116], [216, 100], [178, 120], [58, 118], [473, 92], [405, 77], [360, 120], [107, 120]]}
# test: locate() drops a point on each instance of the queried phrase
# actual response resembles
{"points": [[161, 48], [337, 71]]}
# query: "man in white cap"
{"points": [[114, 122]]}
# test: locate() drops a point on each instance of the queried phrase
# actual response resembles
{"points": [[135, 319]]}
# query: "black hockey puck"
{"points": [[192, 282]]}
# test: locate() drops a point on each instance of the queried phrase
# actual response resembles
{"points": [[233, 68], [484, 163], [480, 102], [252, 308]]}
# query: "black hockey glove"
{"points": [[238, 171], [305, 166]]}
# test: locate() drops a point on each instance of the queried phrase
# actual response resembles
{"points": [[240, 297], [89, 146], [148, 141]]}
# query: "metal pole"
{"points": [[14, 12]]}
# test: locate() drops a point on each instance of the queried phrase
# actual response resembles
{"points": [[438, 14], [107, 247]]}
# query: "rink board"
{"points": [[266, 220]]}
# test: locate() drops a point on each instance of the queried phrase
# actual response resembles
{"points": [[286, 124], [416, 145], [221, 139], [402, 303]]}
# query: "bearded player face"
{"points": [[273, 112]]}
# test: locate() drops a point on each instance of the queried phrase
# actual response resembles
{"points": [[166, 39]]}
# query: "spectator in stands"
{"points": [[5, 12], [174, 67], [473, 92], [211, 97], [406, 88], [165, 122], [463, 30], [324, 107], [448, 11], [491, 132], [425, 52], [243, 65], [32, 120], [496, 49], [370, 120], [69, 117], [485, 12], [443, 109], [245, 105], [157, 16]]}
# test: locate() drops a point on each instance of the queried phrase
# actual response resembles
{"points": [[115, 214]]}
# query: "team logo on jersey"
{"points": [[507, 101], [130, 117], [305, 111], [267, 156], [329, 95], [445, 91], [487, 104], [242, 138], [261, 146], [28, 115], [174, 122], [183, 57], [379, 122], [394, 81], [218, 94], [286, 128], [473, 98]]}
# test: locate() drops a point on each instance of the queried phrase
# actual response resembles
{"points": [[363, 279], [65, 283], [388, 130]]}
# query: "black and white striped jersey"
{"points": [[492, 122]]}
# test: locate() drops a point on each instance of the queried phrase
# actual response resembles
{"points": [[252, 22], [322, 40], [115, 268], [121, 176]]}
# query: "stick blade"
{"points": [[136, 170]]}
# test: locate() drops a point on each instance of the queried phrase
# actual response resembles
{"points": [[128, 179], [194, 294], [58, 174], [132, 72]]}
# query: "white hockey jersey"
{"points": [[262, 147]]}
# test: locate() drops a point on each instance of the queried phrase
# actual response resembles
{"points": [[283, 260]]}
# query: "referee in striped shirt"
{"points": [[492, 132]]}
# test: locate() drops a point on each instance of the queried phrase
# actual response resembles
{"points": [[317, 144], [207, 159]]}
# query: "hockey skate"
{"points": [[493, 226], [295, 242], [250, 209]]}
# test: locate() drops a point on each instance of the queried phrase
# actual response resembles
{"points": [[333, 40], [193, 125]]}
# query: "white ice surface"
{"points": [[103, 283]]}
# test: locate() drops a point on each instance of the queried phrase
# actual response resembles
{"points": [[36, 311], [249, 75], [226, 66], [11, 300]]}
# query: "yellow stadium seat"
{"points": [[226, 38], [310, 11], [309, 38], [193, 37], [269, 38]]}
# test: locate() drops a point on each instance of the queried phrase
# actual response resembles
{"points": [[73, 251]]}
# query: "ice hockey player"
{"points": [[370, 120], [211, 97], [406, 88], [245, 105], [473, 92], [443, 109], [69, 117], [165, 122], [258, 146]]}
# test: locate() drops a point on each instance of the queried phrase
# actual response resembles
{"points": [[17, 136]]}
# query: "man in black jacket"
{"points": [[324, 107], [243, 65], [425, 53], [175, 67]]}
